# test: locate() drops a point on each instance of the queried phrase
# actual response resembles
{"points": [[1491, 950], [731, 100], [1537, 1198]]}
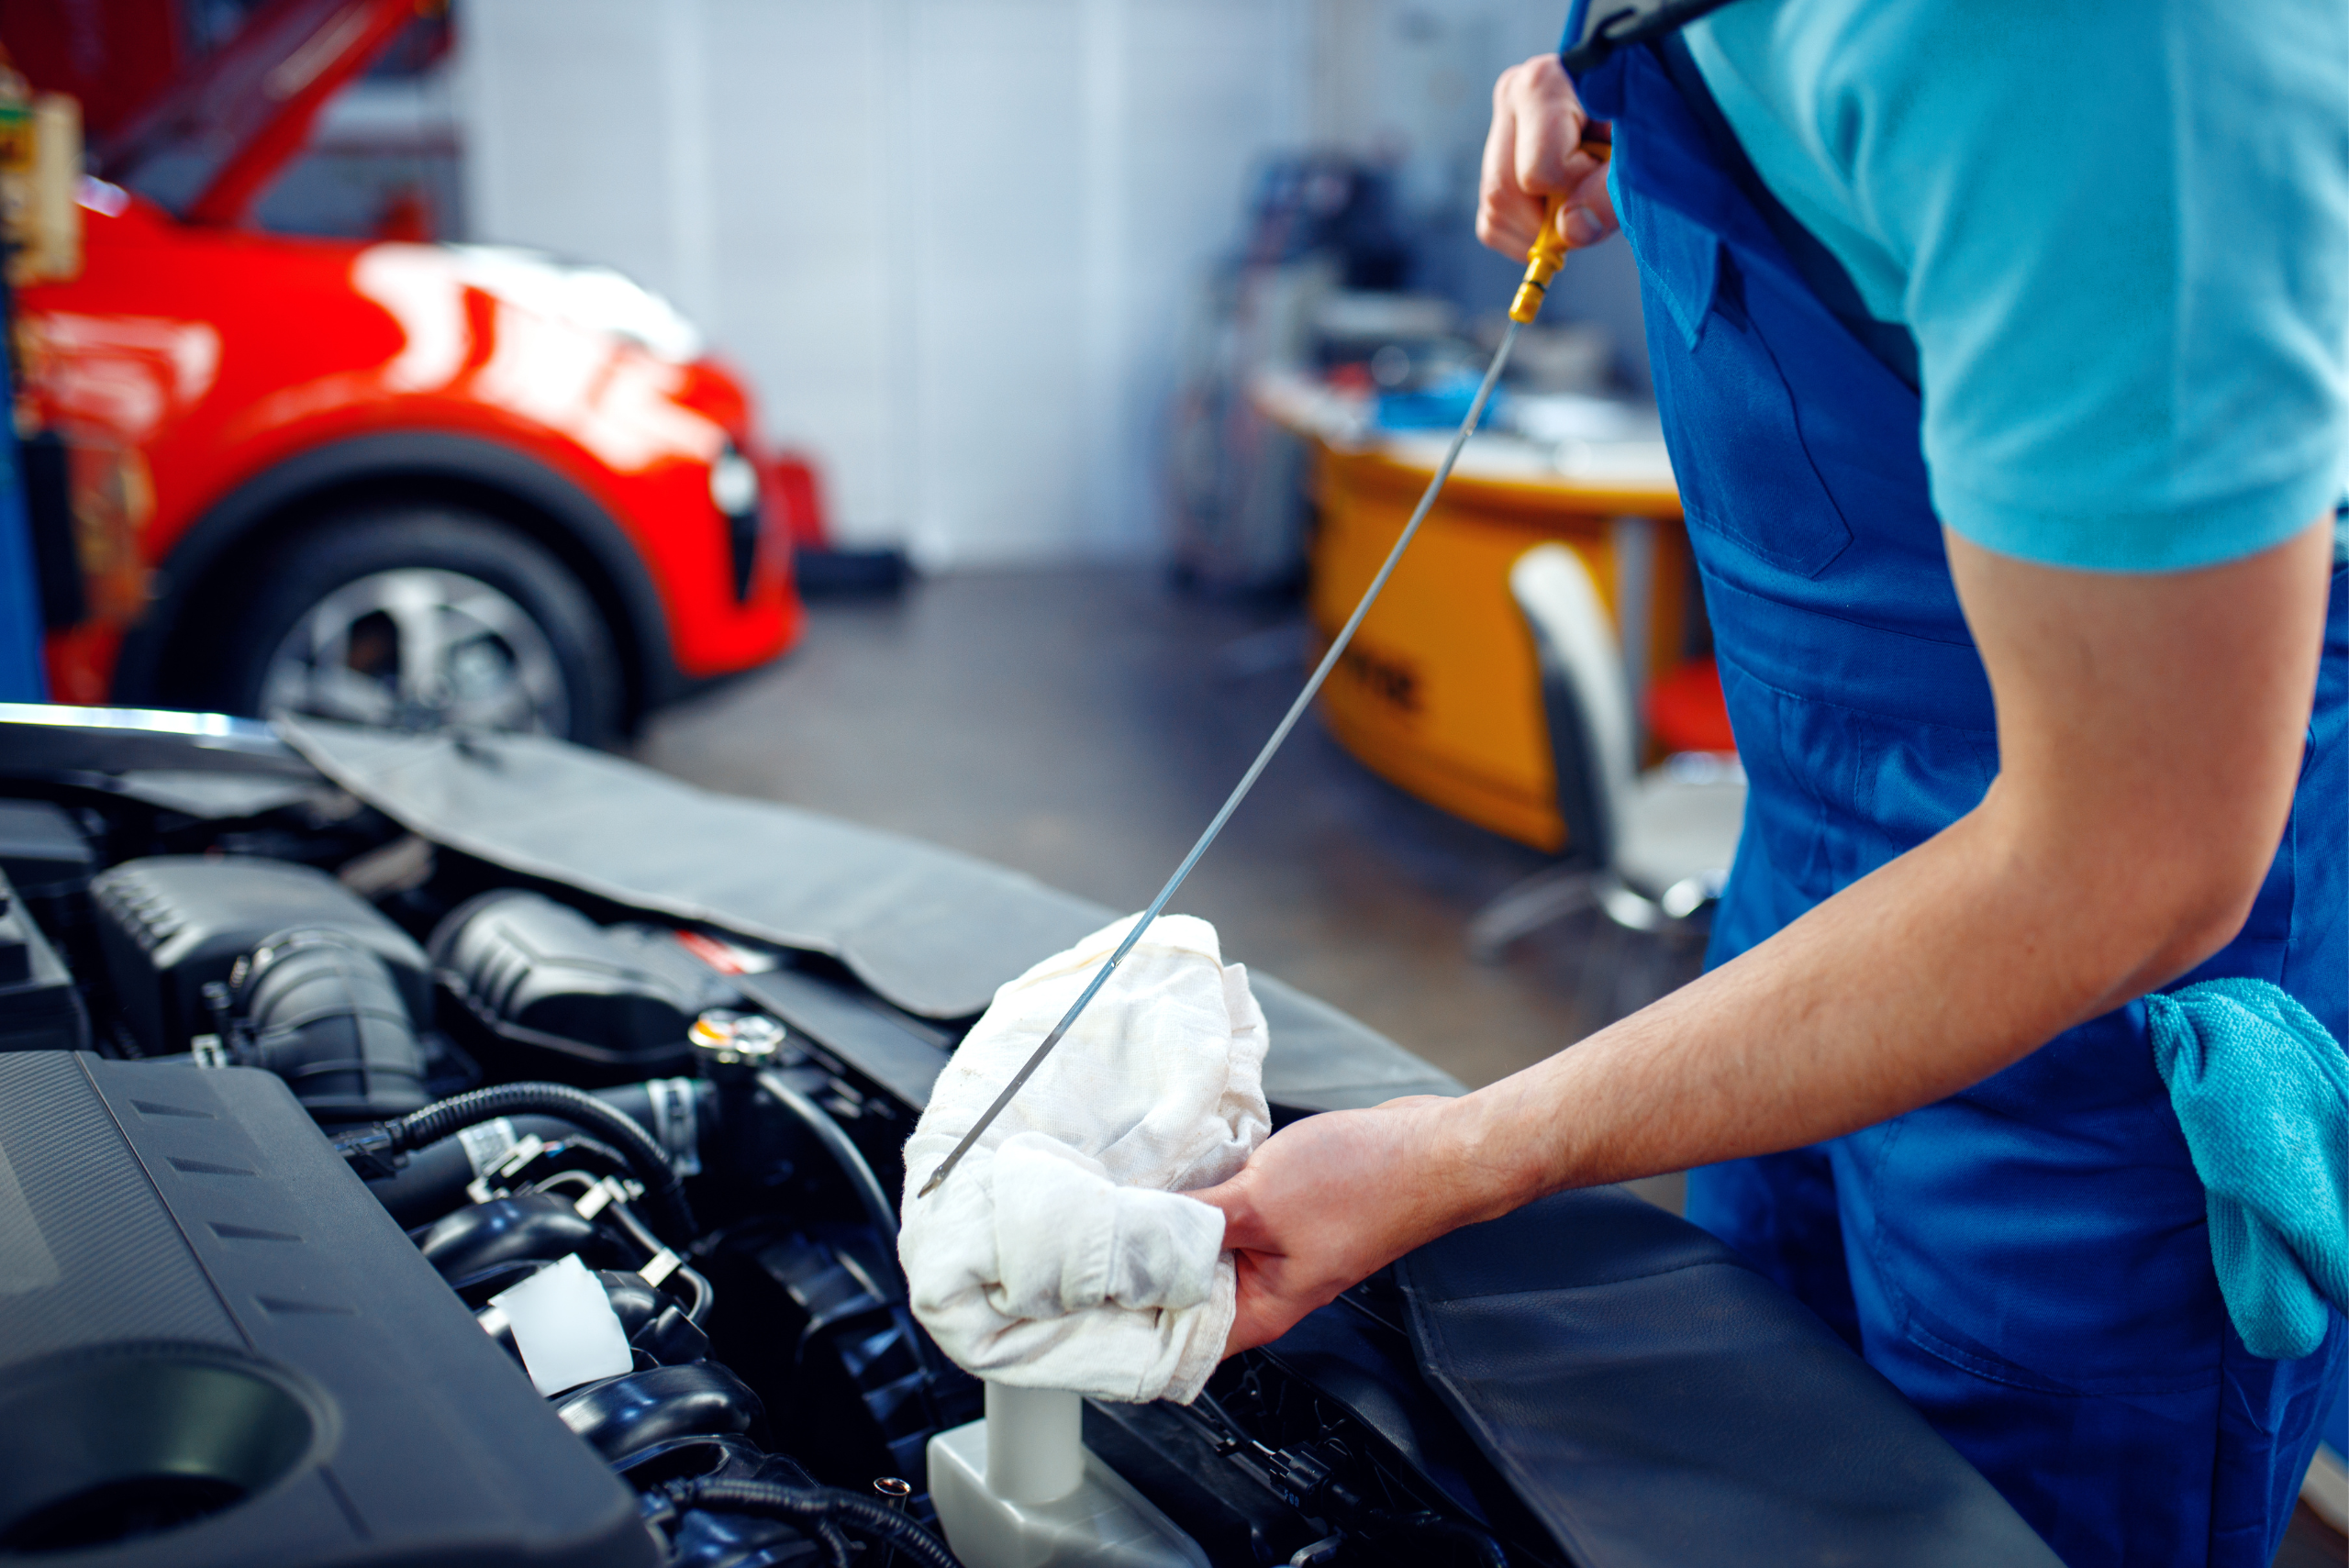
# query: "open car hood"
{"points": [[214, 137]]}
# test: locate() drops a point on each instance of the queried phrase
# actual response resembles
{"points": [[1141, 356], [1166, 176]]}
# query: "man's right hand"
{"points": [[1332, 1199], [1534, 152]]}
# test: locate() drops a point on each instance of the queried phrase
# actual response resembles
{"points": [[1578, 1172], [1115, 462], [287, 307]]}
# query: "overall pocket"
{"points": [[1746, 476]]}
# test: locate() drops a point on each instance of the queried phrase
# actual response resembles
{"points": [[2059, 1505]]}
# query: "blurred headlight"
{"points": [[733, 483]]}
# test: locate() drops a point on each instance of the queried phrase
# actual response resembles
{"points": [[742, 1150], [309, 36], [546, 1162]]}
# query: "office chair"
{"points": [[1651, 849]]}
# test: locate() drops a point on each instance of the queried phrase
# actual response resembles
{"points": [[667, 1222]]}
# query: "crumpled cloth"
{"points": [[1061, 1254], [2263, 1093]]}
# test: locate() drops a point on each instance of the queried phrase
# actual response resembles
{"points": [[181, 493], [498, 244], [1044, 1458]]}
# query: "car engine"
{"points": [[441, 1151], [531, 1093]]}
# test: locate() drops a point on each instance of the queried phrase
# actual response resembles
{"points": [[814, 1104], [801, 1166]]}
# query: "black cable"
{"points": [[1227, 1429], [869, 1192], [697, 1313], [625, 1218], [663, 1511], [878, 1209], [644, 1154], [697, 1310], [814, 1506], [580, 1143]]}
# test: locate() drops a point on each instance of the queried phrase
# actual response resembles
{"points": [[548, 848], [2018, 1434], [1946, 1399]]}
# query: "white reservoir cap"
{"points": [[1035, 1443], [565, 1327]]}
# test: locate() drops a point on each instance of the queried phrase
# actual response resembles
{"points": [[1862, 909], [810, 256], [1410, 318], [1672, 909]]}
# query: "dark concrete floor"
{"points": [[1081, 725], [2309, 1543]]}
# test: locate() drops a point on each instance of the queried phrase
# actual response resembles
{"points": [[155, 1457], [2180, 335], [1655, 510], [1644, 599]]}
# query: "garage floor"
{"points": [[1081, 725]]}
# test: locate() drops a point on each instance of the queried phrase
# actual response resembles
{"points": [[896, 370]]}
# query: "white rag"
{"points": [[1061, 1254]]}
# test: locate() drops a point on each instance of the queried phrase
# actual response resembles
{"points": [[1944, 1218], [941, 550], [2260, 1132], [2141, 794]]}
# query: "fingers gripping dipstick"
{"points": [[1549, 247], [1541, 266]]}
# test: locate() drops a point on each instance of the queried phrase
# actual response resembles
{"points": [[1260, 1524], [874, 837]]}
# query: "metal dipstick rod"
{"points": [[1247, 780], [1541, 265]]}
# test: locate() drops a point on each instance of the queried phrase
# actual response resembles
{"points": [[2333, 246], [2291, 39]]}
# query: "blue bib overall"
{"points": [[2028, 1260]]}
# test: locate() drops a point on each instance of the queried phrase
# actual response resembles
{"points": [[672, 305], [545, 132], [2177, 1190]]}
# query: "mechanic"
{"points": [[2003, 352]]}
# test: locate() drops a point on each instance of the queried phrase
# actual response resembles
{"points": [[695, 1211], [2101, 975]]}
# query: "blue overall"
{"points": [[2026, 1261]]}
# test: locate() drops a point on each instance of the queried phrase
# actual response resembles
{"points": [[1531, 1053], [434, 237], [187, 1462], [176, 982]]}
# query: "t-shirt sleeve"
{"points": [[2126, 230]]}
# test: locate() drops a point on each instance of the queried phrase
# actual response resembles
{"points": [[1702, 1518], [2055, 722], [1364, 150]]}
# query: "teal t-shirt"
{"points": [[2117, 231]]}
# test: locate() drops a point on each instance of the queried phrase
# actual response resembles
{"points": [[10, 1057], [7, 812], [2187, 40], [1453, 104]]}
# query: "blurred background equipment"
{"points": [[41, 165], [1441, 693], [1318, 227]]}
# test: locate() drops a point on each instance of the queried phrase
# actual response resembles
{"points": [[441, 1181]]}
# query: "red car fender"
{"points": [[213, 358]]}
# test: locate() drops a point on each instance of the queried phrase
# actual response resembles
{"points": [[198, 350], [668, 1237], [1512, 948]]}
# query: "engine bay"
{"points": [[530, 1086], [441, 1150]]}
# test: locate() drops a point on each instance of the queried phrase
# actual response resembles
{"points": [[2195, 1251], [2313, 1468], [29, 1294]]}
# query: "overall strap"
{"points": [[1890, 341], [1597, 29]]}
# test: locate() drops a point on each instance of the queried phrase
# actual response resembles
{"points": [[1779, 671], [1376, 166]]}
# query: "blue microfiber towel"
{"points": [[2263, 1093]]}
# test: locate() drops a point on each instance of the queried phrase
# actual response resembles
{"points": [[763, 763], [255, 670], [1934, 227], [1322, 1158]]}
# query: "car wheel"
{"points": [[424, 619]]}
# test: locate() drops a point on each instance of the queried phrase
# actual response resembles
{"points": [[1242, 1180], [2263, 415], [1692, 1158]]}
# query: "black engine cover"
{"points": [[556, 994], [170, 923], [216, 1347]]}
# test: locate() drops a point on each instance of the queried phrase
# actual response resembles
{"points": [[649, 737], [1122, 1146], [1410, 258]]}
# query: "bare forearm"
{"points": [[2143, 797], [2149, 739], [1930, 974]]}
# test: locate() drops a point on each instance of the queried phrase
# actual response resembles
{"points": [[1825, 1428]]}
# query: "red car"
{"points": [[399, 483]]}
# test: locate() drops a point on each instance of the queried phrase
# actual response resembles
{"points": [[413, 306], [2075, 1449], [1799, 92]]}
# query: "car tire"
{"points": [[422, 618]]}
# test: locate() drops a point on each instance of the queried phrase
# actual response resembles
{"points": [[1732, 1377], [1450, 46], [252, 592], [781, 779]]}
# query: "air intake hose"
{"points": [[321, 1010], [645, 1157]]}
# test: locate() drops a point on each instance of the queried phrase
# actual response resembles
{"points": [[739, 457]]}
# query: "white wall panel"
{"points": [[573, 149], [998, 226], [810, 235], [950, 240], [1214, 84]]}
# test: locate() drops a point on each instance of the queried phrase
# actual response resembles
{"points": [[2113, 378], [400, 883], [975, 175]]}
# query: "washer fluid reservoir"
{"points": [[1019, 1490]]}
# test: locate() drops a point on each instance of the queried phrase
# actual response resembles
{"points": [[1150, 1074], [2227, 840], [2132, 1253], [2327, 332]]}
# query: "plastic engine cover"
{"points": [[171, 923], [215, 1348], [39, 1009], [538, 976]]}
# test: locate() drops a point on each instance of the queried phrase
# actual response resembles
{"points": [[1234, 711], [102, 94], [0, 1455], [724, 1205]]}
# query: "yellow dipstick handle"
{"points": [[1549, 250]]}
